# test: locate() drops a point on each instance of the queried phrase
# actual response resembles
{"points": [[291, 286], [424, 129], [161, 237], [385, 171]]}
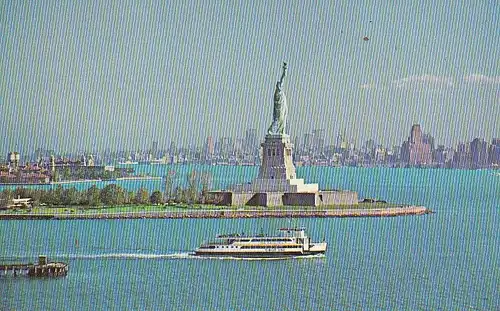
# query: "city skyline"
{"points": [[119, 76], [419, 150]]}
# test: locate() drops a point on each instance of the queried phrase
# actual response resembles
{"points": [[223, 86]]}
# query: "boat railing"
{"points": [[231, 235], [293, 229]]}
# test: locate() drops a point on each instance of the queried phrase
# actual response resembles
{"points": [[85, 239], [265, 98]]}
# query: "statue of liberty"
{"points": [[280, 109]]}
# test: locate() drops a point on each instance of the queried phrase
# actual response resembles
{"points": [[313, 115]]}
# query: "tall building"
{"points": [[428, 139], [494, 152], [226, 146], [319, 140], [238, 146], [14, 159], [462, 157], [479, 153], [415, 151], [369, 146], [173, 148], [251, 143], [296, 143], [439, 156], [209, 147], [154, 149], [307, 145]]}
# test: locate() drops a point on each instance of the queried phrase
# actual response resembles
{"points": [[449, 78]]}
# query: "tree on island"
{"points": [[112, 195], [156, 197], [53, 196], [196, 191], [169, 185], [192, 189], [70, 196], [206, 184], [130, 197], [142, 196], [92, 196]]}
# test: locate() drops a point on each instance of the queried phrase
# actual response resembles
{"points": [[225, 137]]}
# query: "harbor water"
{"points": [[449, 260]]}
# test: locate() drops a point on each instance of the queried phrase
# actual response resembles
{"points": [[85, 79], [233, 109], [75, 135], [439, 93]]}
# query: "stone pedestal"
{"points": [[277, 158], [277, 172]]}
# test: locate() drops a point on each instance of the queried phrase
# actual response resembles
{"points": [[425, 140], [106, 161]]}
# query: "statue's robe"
{"points": [[280, 111]]}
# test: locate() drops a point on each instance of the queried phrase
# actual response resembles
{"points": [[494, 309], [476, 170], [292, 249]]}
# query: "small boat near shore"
{"points": [[290, 242], [44, 268], [128, 163]]}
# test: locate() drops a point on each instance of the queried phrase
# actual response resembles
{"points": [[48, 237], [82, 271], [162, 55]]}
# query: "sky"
{"points": [[90, 75]]}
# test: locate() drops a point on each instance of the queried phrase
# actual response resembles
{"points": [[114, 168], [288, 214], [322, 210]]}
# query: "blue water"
{"points": [[449, 260]]}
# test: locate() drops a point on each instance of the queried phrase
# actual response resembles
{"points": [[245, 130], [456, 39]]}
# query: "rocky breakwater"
{"points": [[243, 213]]}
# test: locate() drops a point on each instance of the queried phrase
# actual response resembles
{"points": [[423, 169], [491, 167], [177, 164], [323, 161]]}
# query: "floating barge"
{"points": [[42, 269]]}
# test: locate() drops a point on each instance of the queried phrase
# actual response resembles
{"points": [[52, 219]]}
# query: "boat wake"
{"points": [[182, 255], [152, 256]]}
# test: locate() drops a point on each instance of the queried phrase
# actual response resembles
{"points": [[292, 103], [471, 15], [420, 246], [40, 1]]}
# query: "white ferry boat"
{"points": [[290, 242]]}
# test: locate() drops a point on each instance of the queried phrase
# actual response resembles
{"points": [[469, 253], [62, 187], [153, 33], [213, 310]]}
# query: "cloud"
{"points": [[425, 80], [367, 86], [481, 79]]}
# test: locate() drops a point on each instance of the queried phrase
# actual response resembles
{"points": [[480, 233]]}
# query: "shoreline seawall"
{"points": [[315, 213]]}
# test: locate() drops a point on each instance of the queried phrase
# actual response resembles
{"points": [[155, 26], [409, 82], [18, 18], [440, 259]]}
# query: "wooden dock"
{"points": [[42, 269]]}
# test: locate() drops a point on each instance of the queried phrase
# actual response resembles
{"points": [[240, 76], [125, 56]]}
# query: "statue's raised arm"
{"points": [[283, 74]]}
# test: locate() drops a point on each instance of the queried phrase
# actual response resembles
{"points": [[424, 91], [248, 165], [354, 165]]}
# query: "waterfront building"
{"points": [[14, 159]]}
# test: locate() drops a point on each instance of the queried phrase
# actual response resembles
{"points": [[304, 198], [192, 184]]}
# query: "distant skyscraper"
{"points": [[308, 142], [428, 139], [319, 140], [342, 141], [209, 147], [462, 157], [439, 155], [370, 146], [226, 146], [238, 146], [251, 143], [173, 148], [416, 151], [154, 149], [494, 154], [296, 144], [14, 159], [479, 153]]}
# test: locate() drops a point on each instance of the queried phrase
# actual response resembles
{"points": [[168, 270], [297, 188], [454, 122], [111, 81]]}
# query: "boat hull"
{"points": [[263, 254]]}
